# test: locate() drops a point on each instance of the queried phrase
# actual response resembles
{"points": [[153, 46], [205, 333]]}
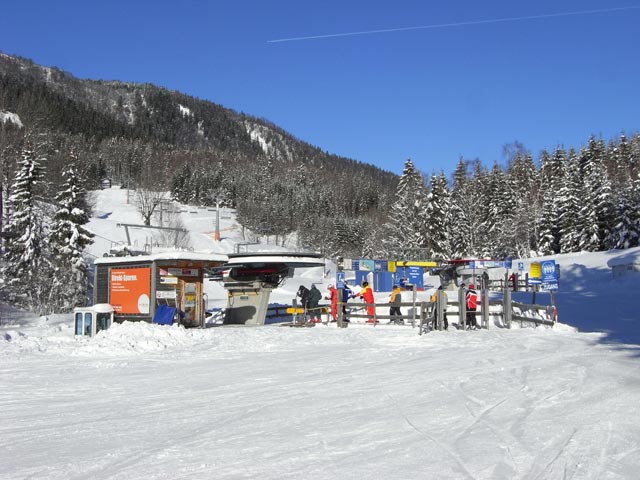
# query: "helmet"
{"points": [[364, 284], [330, 285], [471, 285]]}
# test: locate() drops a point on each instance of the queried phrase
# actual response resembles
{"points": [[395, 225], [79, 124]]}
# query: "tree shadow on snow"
{"points": [[593, 301]]}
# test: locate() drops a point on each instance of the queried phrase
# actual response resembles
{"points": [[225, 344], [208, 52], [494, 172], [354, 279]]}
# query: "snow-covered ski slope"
{"points": [[154, 402]]}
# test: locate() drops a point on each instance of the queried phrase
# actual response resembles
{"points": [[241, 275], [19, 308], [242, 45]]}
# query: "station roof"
{"points": [[155, 257]]}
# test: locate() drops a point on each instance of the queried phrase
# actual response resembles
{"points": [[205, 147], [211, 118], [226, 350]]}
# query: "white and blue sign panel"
{"points": [[368, 265], [520, 266], [549, 275], [414, 274], [507, 262], [340, 280]]}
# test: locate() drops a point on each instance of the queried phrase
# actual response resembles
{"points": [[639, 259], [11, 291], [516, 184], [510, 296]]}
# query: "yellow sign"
{"points": [[534, 270], [416, 263]]}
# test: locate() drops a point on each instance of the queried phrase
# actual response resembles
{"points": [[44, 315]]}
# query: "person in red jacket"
{"points": [[472, 305], [367, 295], [333, 296]]}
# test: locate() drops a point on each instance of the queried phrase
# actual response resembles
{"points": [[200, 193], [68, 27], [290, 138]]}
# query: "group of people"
{"points": [[310, 299], [471, 303]]}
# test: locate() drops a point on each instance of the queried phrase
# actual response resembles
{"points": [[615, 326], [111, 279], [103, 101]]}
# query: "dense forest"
{"points": [[148, 138], [576, 200], [145, 137]]}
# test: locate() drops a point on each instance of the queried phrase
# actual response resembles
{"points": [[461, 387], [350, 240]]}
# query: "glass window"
{"points": [[87, 323], [103, 321], [78, 321]]}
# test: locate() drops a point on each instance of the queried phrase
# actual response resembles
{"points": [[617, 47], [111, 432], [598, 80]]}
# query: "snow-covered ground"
{"points": [[155, 402]]}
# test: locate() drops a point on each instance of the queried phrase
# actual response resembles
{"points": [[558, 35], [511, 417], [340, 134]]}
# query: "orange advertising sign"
{"points": [[130, 289]]}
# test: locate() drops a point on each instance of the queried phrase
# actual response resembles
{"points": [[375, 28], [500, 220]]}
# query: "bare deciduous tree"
{"points": [[147, 201]]}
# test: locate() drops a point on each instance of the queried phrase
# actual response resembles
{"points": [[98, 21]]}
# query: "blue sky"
{"points": [[473, 77]]}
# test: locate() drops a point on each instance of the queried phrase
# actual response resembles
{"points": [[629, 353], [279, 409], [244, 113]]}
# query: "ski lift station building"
{"points": [[142, 287]]}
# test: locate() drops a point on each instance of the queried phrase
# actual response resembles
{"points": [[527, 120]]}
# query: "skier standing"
{"points": [[367, 295], [394, 311], [314, 298], [303, 293], [472, 305], [434, 299], [333, 296]]}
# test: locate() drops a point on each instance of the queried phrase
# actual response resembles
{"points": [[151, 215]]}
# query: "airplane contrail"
{"points": [[456, 24]]}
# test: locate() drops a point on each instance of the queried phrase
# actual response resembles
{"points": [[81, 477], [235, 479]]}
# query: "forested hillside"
{"points": [[583, 197], [147, 137]]}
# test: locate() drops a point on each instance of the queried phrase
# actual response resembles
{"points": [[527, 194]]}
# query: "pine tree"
{"points": [[28, 271], [462, 211], [569, 205], [551, 180], [404, 233], [523, 180], [69, 239], [596, 215], [438, 218], [477, 208]]}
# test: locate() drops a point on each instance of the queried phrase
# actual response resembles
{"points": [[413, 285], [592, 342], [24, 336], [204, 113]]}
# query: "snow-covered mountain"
{"points": [[143, 401]]}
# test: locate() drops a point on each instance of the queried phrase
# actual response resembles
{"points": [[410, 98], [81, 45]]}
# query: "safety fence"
{"points": [[430, 315]]}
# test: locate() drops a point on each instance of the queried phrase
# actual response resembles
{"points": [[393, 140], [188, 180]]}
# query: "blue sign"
{"points": [[549, 275], [507, 262], [340, 280], [415, 275], [381, 265], [520, 266], [472, 264]]}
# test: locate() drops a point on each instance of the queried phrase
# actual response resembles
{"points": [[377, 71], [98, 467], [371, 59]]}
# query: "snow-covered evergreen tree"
{"points": [[463, 209], [596, 215], [404, 234], [28, 272], [523, 179], [438, 218], [551, 180], [627, 229], [68, 240], [569, 207], [499, 208]]}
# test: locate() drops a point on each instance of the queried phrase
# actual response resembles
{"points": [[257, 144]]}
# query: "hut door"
{"points": [[191, 304]]}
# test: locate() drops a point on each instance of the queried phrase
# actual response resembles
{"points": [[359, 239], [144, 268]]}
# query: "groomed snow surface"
{"points": [[143, 401]]}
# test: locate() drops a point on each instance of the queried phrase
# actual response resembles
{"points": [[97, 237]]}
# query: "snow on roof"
{"points": [[293, 258], [177, 255]]}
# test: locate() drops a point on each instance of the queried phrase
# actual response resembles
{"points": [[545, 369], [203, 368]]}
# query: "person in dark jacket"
{"points": [[347, 293], [314, 298], [303, 293]]}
